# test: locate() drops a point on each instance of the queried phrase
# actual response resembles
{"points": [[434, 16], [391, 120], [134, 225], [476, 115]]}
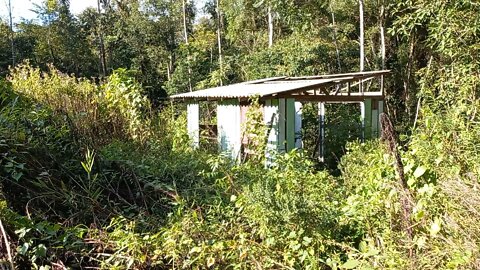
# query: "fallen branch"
{"points": [[7, 246]]}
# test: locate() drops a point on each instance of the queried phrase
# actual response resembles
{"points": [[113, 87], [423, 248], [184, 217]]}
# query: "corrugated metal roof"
{"points": [[277, 85]]}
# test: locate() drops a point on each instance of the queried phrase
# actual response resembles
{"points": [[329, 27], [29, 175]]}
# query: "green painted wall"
{"points": [[368, 118], [290, 123]]}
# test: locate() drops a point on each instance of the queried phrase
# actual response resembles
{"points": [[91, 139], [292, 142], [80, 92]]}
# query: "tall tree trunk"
{"points": [[12, 41], [270, 27], [103, 62], [382, 42], [335, 41], [219, 40], [185, 32], [362, 42], [362, 37]]}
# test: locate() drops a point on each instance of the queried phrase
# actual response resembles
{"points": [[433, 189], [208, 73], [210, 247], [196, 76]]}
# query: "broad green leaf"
{"points": [[195, 250], [41, 251], [210, 262], [17, 176], [411, 181], [23, 250], [350, 264], [419, 171], [435, 227]]}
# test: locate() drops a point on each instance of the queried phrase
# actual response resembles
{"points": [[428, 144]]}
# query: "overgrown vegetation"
{"points": [[92, 176]]}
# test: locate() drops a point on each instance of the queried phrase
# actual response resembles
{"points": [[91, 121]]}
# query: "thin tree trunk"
{"points": [[382, 41], [185, 32], [12, 42], [362, 37], [219, 40], [362, 42], [336, 43], [270, 27], [168, 71], [7, 246], [103, 62]]}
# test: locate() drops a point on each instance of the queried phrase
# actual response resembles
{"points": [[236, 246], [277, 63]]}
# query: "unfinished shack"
{"points": [[282, 99]]}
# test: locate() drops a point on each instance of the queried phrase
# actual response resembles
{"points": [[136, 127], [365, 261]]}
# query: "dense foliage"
{"points": [[94, 174]]}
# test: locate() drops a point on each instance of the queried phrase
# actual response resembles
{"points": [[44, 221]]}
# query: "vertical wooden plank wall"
{"points": [[229, 130], [193, 123]]}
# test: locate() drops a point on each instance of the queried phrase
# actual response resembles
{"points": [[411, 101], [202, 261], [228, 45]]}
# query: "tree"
{"points": [[12, 33], [362, 36], [219, 39]]}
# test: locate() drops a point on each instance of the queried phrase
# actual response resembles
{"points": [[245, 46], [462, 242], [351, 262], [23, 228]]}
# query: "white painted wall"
{"points": [[229, 127], [362, 119], [193, 122], [270, 118]]}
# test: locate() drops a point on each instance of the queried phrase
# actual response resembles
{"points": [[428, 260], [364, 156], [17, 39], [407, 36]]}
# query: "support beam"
{"points": [[193, 123], [362, 120], [321, 143], [353, 98], [375, 119]]}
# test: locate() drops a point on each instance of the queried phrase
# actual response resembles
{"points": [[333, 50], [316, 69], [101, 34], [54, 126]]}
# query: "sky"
{"points": [[21, 9]]}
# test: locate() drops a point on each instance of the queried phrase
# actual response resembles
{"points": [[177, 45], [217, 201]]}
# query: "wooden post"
{"points": [[362, 120], [321, 145], [375, 118], [193, 123], [298, 125]]}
